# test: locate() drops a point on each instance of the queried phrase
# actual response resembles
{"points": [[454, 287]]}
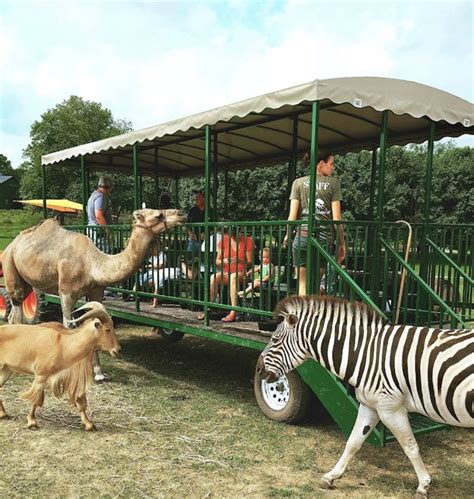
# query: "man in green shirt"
{"points": [[327, 207]]}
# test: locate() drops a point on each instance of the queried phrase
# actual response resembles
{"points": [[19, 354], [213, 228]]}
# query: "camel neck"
{"points": [[112, 269]]}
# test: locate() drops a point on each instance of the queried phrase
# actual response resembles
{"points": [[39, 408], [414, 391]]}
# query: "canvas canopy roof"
{"points": [[259, 130], [60, 205]]}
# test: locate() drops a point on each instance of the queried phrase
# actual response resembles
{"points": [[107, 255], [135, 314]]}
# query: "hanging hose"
{"points": [[404, 272]]}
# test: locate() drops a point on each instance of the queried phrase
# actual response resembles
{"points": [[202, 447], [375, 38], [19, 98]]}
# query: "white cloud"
{"points": [[151, 62]]}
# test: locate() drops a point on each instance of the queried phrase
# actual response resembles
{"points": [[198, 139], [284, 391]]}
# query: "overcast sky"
{"points": [[153, 61]]}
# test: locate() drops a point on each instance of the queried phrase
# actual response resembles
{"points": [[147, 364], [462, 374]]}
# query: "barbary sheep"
{"points": [[59, 355]]}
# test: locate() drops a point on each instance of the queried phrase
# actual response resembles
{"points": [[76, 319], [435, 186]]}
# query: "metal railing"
{"points": [[437, 292]]}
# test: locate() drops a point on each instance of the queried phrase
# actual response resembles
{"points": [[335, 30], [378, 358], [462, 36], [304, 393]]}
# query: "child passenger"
{"points": [[262, 274]]}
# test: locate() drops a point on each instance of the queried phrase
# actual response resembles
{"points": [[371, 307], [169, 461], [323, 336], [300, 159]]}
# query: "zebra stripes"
{"points": [[395, 369]]}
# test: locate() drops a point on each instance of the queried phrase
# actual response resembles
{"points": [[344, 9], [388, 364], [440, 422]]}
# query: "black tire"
{"points": [[287, 400], [169, 335], [5, 305]]}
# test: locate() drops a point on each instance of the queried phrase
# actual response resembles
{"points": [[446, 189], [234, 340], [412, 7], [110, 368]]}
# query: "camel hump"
{"points": [[31, 229]]}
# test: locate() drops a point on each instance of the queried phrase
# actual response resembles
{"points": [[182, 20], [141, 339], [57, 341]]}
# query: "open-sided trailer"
{"points": [[421, 274]]}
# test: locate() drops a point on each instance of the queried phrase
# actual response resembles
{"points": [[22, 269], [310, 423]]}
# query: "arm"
{"points": [[100, 216], [293, 215], [248, 258], [219, 255], [336, 215]]}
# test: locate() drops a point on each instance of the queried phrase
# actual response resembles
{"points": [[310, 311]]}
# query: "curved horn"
{"points": [[95, 310]]}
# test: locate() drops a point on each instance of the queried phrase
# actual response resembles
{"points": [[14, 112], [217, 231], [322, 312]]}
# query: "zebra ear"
{"points": [[292, 319]]}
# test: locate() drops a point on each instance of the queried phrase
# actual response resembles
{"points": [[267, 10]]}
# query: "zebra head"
{"points": [[285, 351]]}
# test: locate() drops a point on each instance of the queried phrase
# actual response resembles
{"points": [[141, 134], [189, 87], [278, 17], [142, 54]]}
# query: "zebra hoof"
{"points": [[326, 483], [421, 494]]}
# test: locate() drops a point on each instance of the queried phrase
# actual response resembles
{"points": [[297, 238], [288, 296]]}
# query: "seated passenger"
{"points": [[262, 274], [167, 274], [234, 256], [158, 273]]}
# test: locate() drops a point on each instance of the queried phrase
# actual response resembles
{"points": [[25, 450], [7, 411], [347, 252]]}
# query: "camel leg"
{"points": [[68, 301], [397, 422], [366, 420], [36, 396], [5, 373], [81, 404]]}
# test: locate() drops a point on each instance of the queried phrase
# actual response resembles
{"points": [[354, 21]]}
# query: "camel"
{"points": [[58, 261]]}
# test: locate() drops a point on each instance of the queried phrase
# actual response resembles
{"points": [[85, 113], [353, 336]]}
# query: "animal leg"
{"points": [[97, 294], [397, 422], [36, 396], [4, 375], [81, 404], [68, 301], [365, 422]]}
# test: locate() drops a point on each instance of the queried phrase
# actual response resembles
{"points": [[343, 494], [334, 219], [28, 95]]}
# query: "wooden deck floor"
{"points": [[178, 315]]}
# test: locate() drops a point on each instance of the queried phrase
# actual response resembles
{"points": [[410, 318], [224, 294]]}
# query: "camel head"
{"points": [[158, 221]]}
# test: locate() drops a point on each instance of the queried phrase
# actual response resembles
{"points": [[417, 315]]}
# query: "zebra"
{"points": [[394, 369]]}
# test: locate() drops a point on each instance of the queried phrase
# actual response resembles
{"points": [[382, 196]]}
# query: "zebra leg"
{"points": [[365, 422], [397, 422]]}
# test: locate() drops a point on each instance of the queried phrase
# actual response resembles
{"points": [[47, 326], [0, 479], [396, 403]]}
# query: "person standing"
{"points": [[98, 212], [196, 215], [327, 207]]}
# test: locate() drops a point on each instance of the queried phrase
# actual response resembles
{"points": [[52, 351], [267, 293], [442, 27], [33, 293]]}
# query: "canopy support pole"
{"points": [[176, 192], [157, 187], [84, 191], [292, 161], [215, 179], [136, 181], [207, 196], [377, 250], [43, 189], [312, 193], [373, 177], [226, 194], [424, 263]]}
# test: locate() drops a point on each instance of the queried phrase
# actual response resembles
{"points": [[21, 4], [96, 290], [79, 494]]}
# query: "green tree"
{"points": [[73, 122]]}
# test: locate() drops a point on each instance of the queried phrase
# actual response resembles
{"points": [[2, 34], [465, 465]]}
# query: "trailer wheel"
{"points": [[5, 305], [30, 308], [168, 334], [286, 400]]}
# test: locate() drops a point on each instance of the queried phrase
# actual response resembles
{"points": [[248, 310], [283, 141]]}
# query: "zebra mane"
{"points": [[297, 304]]}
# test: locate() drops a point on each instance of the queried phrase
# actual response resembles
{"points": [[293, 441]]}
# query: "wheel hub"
{"points": [[276, 394]]}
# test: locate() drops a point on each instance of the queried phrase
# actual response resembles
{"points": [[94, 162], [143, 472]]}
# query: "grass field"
{"points": [[180, 420], [13, 221]]}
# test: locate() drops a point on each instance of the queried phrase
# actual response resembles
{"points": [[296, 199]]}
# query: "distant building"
{"points": [[8, 192]]}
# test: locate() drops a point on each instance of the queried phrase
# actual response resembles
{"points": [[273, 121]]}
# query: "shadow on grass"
{"points": [[218, 367]]}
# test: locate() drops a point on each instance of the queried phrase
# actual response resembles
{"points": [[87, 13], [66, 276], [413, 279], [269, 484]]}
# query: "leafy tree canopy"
{"points": [[73, 122]]}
